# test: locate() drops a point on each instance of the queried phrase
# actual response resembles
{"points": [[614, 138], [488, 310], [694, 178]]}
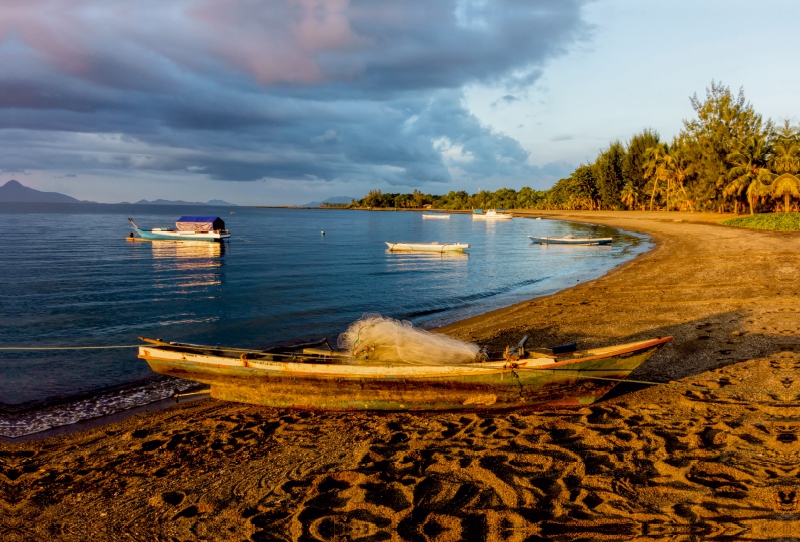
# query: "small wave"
{"points": [[462, 301], [20, 421]]}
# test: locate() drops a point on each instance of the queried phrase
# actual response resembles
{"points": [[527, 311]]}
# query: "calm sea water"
{"points": [[69, 278]]}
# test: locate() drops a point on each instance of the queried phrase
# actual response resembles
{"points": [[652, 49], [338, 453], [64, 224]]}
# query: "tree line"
{"points": [[727, 158]]}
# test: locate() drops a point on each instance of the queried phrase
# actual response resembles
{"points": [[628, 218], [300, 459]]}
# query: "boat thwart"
{"points": [[327, 379]]}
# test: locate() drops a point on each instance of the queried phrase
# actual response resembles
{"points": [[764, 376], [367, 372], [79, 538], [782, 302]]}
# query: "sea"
{"points": [[69, 278]]}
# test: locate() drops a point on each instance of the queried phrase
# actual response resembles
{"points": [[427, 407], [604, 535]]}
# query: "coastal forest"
{"points": [[725, 159]]}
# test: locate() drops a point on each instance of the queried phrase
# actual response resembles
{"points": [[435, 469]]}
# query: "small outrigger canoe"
{"points": [[321, 378], [569, 240], [188, 228], [430, 247], [440, 216]]}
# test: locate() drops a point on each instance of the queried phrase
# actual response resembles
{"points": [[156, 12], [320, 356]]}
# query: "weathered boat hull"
{"points": [[494, 385]]}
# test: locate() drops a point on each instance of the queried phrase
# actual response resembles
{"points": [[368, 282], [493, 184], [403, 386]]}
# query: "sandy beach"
{"points": [[711, 453]]}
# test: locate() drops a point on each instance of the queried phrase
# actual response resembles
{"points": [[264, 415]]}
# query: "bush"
{"points": [[768, 221]]}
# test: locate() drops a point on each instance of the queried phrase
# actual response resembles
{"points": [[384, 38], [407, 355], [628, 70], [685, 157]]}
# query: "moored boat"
{"points": [[440, 216], [328, 379], [491, 214], [187, 228], [429, 247], [570, 240]]}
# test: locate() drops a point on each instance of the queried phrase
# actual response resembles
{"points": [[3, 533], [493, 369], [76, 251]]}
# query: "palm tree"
{"points": [[786, 185], [657, 169], [749, 173], [630, 196], [786, 161], [786, 150]]}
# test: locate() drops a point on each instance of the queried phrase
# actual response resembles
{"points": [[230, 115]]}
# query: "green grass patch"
{"points": [[767, 221]]}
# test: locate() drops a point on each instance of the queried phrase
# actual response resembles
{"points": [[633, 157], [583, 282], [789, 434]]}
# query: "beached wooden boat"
{"points": [[327, 379], [187, 228], [440, 216], [491, 214], [429, 247], [569, 240]]}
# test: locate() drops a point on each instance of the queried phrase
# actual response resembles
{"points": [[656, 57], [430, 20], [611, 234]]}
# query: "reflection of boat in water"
{"points": [[570, 240], [436, 215], [491, 214], [430, 247], [187, 249], [188, 228], [324, 378]]}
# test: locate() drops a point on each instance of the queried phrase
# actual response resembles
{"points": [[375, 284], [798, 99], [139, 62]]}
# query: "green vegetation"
{"points": [[771, 221], [725, 159]]}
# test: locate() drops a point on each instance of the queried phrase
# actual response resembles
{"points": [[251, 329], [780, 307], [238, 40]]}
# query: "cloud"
{"points": [[244, 90], [561, 138]]}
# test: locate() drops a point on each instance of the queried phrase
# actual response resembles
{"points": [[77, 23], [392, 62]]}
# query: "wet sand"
{"points": [[713, 453]]}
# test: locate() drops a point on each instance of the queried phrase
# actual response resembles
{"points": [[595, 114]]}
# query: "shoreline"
{"points": [[714, 453]]}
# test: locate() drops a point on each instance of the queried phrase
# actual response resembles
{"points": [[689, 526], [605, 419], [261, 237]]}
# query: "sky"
{"points": [[284, 102]]}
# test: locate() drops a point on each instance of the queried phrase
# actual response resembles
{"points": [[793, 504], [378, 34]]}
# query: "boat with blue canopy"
{"points": [[187, 228]]}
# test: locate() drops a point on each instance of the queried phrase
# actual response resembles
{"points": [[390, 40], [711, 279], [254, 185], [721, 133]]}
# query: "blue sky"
{"points": [[289, 101]]}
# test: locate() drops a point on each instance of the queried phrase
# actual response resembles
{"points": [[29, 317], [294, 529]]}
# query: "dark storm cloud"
{"points": [[294, 89]]}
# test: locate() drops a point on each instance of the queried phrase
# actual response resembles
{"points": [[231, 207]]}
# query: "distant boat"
{"points": [[491, 214], [188, 228], [325, 378], [430, 247], [436, 215], [570, 240]]}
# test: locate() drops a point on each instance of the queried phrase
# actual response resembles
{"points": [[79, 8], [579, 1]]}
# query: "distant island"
{"points": [[181, 202], [335, 201], [15, 192]]}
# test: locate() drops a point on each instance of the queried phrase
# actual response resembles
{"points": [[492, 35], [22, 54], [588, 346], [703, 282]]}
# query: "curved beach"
{"points": [[711, 453]]}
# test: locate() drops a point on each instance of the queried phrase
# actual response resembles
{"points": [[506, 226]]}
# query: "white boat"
{"points": [[491, 214], [437, 215], [429, 247], [570, 240], [188, 228]]}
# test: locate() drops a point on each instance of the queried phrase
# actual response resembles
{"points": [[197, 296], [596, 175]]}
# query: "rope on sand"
{"points": [[16, 348], [582, 376], [673, 385]]}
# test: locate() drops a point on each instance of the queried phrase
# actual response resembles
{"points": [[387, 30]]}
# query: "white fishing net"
{"points": [[375, 338]]}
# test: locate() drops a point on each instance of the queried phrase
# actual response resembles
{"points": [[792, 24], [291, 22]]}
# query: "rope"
{"points": [[645, 382], [68, 347], [666, 384]]}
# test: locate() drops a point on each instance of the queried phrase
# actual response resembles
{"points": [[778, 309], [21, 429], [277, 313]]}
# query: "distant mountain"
{"points": [[181, 202], [14, 192], [336, 199]]}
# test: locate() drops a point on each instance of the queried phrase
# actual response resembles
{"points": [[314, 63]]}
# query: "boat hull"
{"points": [[343, 387], [562, 241], [421, 247], [495, 217], [175, 235], [437, 217]]}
